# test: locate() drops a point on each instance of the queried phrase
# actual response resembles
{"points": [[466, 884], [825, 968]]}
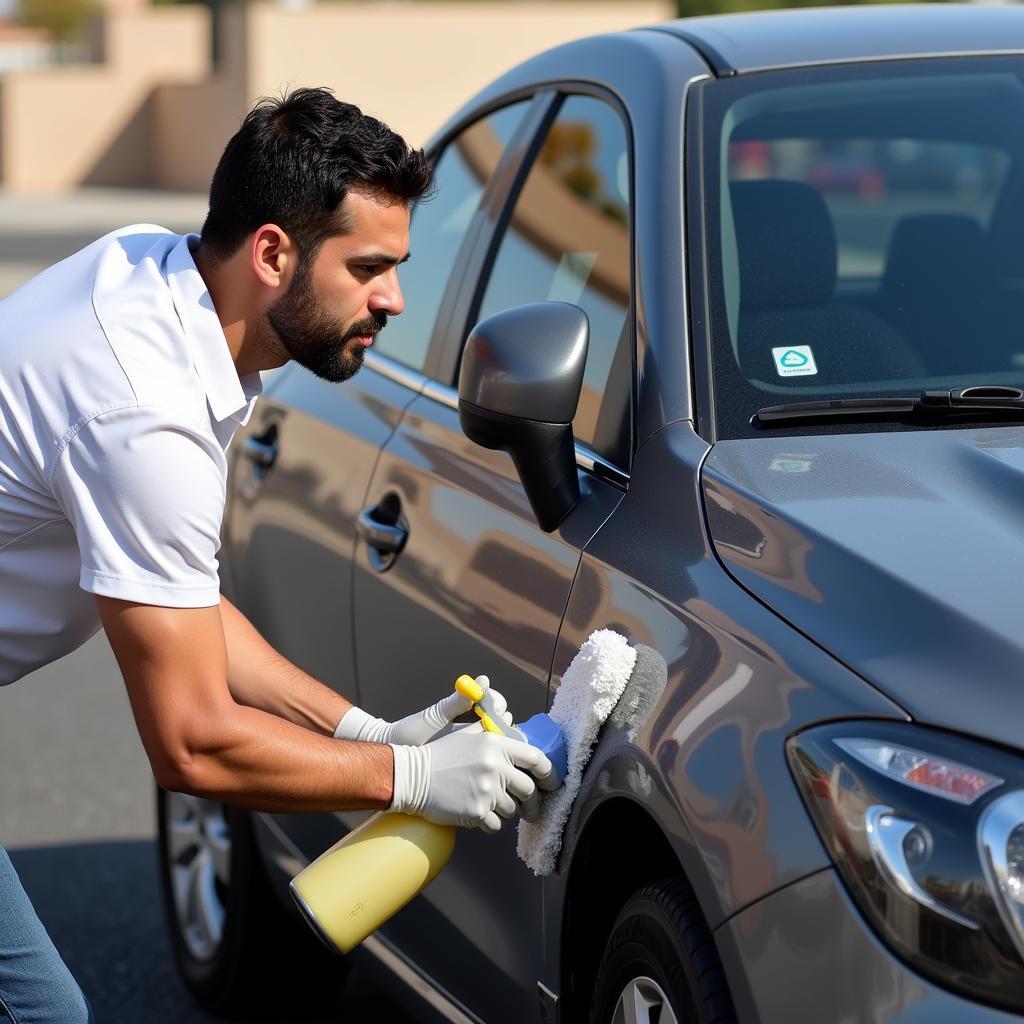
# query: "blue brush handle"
{"points": [[543, 733]]}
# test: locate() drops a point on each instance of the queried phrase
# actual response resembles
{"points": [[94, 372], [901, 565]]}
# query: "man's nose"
{"points": [[387, 298]]}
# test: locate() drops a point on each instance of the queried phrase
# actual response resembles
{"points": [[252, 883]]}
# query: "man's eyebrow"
{"points": [[380, 257]]}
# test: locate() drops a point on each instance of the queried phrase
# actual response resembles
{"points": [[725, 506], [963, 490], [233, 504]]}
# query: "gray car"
{"points": [[795, 469]]}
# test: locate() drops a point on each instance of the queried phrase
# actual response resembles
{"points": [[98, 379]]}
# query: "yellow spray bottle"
{"points": [[351, 889], [359, 883]]}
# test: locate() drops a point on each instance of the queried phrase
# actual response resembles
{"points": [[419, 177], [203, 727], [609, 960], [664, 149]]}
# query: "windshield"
{"points": [[863, 227]]}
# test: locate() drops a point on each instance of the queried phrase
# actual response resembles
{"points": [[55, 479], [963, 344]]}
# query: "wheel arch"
{"points": [[605, 861]]}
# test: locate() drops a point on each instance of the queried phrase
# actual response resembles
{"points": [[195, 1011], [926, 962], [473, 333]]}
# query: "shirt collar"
{"points": [[228, 396]]}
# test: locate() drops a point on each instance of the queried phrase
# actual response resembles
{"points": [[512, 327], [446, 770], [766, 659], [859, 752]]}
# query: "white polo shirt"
{"points": [[118, 399]]}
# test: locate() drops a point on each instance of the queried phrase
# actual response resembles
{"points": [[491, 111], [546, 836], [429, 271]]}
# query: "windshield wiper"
{"points": [[959, 402]]}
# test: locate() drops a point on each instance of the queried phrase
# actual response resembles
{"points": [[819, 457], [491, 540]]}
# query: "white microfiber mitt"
{"points": [[589, 691]]}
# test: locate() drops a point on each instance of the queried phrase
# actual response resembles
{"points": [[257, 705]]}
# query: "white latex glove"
{"points": [[420, 728], [467, 778]]}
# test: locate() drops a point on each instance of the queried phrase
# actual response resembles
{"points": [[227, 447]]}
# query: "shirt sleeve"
{"points": [[144, 492]]}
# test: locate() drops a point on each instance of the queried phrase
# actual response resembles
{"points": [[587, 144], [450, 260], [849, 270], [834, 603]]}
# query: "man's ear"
{"points": [[273, 255]]}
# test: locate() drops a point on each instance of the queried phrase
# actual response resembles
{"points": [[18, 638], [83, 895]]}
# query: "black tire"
{"points": [[266, 959], [660, 935]]}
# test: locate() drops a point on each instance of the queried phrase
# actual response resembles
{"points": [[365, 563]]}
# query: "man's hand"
{"points": [[468, 779], [422, 727]]}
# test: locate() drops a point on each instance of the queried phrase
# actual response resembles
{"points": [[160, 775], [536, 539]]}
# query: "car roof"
{"points": [[767, 40], [731, 44]]}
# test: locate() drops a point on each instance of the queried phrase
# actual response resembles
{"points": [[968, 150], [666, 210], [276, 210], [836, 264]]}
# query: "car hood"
{"points": [[900, 553]]}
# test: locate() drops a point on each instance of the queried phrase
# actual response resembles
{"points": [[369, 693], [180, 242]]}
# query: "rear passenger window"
{"points": [[438, 229], [568, 240]]}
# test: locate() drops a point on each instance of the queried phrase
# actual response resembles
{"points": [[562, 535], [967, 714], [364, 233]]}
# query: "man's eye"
{"points": [[367, 268]]}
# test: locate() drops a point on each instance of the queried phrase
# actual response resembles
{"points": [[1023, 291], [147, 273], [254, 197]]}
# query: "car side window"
{"points": [[568, 240], [438, 228]]}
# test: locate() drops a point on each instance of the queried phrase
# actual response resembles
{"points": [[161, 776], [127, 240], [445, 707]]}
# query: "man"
{"points": [[124, 372]]}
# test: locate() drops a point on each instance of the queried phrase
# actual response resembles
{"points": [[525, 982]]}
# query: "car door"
{"points": [[478, 587], [301, 469]]}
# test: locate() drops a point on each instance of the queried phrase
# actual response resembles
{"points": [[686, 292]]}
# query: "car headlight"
{"points": [[927, 831]]}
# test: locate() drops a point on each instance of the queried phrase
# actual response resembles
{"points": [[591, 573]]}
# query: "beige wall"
{"points": [[93, 123], [410, 63], [194, 121], [413, 64], [154, 113]]}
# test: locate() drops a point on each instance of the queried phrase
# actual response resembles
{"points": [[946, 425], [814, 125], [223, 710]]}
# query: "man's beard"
{"points": [[315, 339]]}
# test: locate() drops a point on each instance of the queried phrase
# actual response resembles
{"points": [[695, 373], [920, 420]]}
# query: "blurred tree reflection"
{"points": [[65, 20], [569, 153]]}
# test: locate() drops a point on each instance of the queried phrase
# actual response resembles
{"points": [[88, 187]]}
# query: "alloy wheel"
{"points": [[643, 1002], [199, 854]]}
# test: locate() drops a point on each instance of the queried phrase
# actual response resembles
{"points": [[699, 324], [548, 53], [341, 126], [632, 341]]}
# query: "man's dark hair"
{"points": [[292, 163]]}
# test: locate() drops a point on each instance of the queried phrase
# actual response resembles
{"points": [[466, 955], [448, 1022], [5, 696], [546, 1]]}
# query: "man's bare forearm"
{"points": [[257, 760], [201, 739], [261, 678]]}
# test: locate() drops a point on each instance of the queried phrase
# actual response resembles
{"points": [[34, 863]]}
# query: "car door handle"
{"points": [[261, 451], [383, 537]]}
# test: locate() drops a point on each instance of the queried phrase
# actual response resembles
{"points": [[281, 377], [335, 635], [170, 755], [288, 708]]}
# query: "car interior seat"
{"points": [[939, 290], [786, 247]]}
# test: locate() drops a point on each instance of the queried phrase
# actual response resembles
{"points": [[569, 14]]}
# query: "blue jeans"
{"points": [[35, 985]]}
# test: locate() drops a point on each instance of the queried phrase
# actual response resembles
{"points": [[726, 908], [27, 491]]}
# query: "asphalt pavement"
{"points": [[76, 791]]}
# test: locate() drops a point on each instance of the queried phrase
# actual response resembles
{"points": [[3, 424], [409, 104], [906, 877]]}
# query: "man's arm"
{"points": [[120, 482], [260, 678], [199, 740]]}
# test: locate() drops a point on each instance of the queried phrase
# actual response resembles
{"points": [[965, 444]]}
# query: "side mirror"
{"points": [[519, 385]]}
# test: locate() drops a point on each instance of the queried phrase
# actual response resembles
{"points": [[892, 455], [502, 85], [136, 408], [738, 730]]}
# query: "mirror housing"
{"points": [[519, 385]]}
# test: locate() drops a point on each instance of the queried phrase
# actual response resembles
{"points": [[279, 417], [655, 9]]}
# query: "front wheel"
{"points": [[237, 949], [660, 965]]}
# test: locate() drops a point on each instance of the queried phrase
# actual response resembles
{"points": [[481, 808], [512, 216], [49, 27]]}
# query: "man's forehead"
{"points": [[376, 225], [363, 207]]}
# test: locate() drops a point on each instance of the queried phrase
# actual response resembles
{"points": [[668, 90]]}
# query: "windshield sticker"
{"points": [[791, 464], [794, 361]]}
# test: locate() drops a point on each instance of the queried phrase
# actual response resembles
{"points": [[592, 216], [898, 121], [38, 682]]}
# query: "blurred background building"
{"points": [[137, 94]]}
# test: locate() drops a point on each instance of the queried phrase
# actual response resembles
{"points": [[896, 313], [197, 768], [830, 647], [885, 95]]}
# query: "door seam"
{"points": [[355, 542], [568, 595]]}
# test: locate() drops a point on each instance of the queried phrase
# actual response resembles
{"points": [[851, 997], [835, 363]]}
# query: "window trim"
{"points": [[398, 372], [452, 299], [452, 289], [496, 205], [698, 300], [481, 262]]}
